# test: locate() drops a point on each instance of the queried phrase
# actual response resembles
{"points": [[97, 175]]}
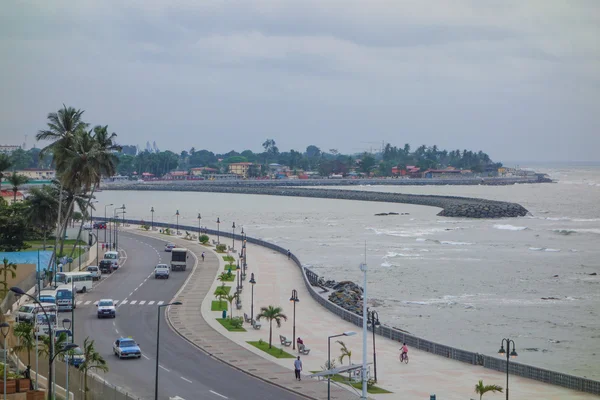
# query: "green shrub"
{"points": [[145, 227], [221, 248], [260, 341], [204, 239], [237, 322]]}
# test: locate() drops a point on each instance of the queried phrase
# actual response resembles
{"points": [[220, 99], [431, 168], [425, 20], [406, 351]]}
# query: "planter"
{"points": [[36, 395], [11, 386], [16, 396], [23, 385]]}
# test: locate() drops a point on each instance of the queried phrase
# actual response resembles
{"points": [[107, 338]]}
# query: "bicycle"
{"points": [[404, 357]]}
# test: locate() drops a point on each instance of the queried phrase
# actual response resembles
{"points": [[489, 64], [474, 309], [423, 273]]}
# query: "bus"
{"points": [[48, 295], [65, 298], [81, 281]]}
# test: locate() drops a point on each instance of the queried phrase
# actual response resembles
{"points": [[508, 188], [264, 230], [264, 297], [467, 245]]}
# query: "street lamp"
{"points": [[18, 291], [252, 282], [233, 228], [177, 230], [373, 321], [115, 224], [509, 354], [349, 333], [237, 270], [66, 323], [294, 299], [175, 303], [152, 211], [218, 233], [199, 227], [92, 227], [5, 328], [105, 220]]}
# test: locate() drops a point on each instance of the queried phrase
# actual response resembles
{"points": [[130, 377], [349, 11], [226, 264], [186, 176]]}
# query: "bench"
{"points": [[247, 318], [302, 349], [256, 324], [284, 341]]}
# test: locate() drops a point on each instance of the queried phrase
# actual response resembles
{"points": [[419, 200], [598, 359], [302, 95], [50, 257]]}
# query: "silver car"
{"points": [[95, 271]]}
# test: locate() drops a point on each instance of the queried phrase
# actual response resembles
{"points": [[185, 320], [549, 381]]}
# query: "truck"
{"points": [[161, 271], [178, 259]]}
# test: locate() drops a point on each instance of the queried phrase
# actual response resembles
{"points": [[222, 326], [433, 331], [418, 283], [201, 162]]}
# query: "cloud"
{"points": [[464, 74]]}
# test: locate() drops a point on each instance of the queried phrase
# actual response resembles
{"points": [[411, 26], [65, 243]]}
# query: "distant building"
{"points": [[8, 149], [202, 171], [176, 176], [9, 196], [442, 173], [38, 174], [240, 168]]}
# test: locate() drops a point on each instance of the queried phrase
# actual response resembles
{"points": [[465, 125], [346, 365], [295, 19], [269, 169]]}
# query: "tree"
{"points": [[313, 151], [6, 268], [16, 180], [21, 159], [482, 389], [230, 298], [5, 164], [14, 227], [366, 163], [93, 361], [43, 209], [272, 313], [24, 331], [345, 352], [221, 293]]}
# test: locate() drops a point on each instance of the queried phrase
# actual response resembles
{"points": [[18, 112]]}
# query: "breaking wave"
{"points": [[510, 227]]}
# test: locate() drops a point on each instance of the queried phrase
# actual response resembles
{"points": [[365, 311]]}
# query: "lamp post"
{"points": [[175, 303], [105, 220], [509, 354], [252, 282], [177, 230], [218, 233], [237, 270], [115, 224], [349, 333], [5, 328], [66, 323], [294, 299], [364, 268], [18, 291], [152, 223], [233, 236], [199, 227], [92, 228], [373, 321]]}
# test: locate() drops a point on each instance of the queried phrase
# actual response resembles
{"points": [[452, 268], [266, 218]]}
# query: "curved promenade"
{"points": [[452, 206], [475, 359]]}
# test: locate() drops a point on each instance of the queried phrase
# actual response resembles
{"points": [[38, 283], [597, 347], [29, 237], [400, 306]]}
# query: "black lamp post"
{"points": [[294, 299], [237, 270], [218, 233], [177, 230], [19, 292], [175, 303], [4, 329], [252, 282], [66, 323], [152, 211], [509, 354], [233, 228], [92, 227], [105, 220], [199, 228], [373, 321], [122, 211], [349, 333]]}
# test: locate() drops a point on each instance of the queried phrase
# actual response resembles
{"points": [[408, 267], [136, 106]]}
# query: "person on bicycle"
{"points": [[404, 351]]}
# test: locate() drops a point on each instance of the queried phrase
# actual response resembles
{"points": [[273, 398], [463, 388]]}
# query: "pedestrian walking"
{"points": [[289, 254], [298, 368], [102, 246], [202, 256]]}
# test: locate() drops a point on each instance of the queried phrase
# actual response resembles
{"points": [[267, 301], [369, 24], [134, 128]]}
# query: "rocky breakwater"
{"points": [[347, 295], [463, 207]]}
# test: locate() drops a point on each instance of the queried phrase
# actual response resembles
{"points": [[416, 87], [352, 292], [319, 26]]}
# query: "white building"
{"points": [[7, 148]]}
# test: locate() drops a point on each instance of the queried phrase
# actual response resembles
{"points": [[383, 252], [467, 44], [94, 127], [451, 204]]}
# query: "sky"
{"points": [[517, 79]]}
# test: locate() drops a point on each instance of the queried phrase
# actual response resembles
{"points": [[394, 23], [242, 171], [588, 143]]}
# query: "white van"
{"points": [[41, 326], [65, 298], [113, 256], [27, 312], [48, 296], [81, 281]]}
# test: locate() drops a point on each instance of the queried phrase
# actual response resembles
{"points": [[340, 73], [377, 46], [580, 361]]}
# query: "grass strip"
{"points": [[227, 325], [357, 385], [274, 351], [215, 306]]}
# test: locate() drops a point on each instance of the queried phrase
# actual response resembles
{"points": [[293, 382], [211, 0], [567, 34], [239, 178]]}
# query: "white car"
{"points": [[106, 308], [87, 226], [161, 271]]}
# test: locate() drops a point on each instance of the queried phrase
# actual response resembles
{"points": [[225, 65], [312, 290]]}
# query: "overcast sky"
{"points": [[518, 79]]}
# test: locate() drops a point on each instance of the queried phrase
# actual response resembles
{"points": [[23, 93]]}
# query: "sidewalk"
{"points": [[276, 276]]}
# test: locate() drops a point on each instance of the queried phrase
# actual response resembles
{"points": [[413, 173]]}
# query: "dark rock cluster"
{"points": [[347, 295]]}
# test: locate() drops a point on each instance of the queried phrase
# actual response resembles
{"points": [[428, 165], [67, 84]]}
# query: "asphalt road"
{"points": [[184, 370]]}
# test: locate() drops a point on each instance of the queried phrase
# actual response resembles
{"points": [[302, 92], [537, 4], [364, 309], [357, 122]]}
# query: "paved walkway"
{"points": [[276, 277]]}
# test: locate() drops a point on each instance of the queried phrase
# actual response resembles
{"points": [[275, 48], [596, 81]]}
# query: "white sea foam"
{"points": [[552, 250], [417, 232], [456, 243], [386, 264], [596, 231], [392, 254], [536, 248], [544, 249], [510, 227]]}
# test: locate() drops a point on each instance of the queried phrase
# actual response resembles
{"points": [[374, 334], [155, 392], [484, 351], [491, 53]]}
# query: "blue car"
{"points": [[75, 357], [126, 348]]}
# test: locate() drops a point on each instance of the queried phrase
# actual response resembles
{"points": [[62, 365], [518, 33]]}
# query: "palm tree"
{"points": [[59, 343], [24, 331], [345, 352], [16, 180], [230, 298], [482, 389], [43, 209], [5, 164], [5, 268], [92, 361], [272, 314], [220, 293]]}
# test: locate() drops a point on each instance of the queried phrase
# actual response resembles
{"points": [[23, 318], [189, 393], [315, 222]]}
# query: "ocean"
{"points": [[463, 282]]}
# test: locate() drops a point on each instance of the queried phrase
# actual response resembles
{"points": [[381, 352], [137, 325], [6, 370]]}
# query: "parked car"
{"points": [[106, 266], [106, 308], [126, 348], [95, 271], [88, 226], [169, 247], [75, 357], [161, 271], [99, 225], [27, 312]]}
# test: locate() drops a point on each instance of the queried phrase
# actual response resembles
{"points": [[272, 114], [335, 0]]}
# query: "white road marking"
{"points": [[145, 356], [86, 303], [96, 302], [218, 394], [159, 303], [151, 302], [142, 302], [123, 302], [133, 302], [116, 330], [164, 368], [187, 380], [79, 302]]}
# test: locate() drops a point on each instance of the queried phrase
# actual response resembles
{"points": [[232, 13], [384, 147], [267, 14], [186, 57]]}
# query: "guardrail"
{"points": [[310, 281]]}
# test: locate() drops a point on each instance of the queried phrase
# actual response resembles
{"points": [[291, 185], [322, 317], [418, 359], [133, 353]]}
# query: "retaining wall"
{"points": [[495, 363]]}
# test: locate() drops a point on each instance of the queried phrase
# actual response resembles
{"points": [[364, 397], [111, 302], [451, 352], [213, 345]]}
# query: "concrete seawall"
{"points": [[463, 207]]}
